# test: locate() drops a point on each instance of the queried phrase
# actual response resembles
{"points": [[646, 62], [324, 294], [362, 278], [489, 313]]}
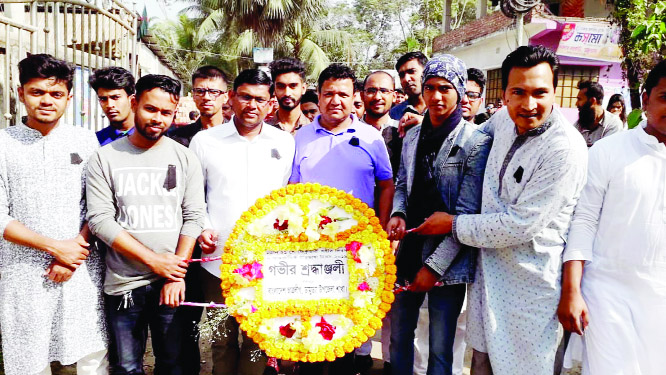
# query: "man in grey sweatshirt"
{"points": [[146, 203]]}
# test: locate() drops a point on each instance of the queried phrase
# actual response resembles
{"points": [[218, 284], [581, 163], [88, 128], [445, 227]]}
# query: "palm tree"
{"points": [[192, 41], [267, 19]]}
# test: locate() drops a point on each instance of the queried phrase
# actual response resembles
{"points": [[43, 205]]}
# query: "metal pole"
{"points": [[47, 31], [33, 22], [520, 28], [89, 69], [7, 85], [135, 59], [56, 29], [75, 98]]}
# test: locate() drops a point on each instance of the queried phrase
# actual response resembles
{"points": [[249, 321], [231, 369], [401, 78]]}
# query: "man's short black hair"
{"points": [[418, 55], [399, 91], [594, 90], [335, 71], [287, 65], [358, 86], [378, 72], [45, 66], [655, 75], [527, 57], [310, 96], [476, 75], [112, 78], [252, 77], [209, 72], [158, 81]]}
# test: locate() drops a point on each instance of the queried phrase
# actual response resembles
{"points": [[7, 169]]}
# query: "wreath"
{"points": [[308, 272]]}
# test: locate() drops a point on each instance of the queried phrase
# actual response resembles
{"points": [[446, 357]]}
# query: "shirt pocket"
{"points": [[449, 181]]}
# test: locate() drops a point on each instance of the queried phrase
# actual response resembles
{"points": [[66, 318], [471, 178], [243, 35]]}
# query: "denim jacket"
{"points": [[460, 165]]}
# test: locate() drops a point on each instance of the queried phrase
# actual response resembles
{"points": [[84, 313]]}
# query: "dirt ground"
{"points": [[206, 363]]}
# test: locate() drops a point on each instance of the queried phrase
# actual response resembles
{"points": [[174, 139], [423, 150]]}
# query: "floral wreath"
{"points": [[305, 218]]}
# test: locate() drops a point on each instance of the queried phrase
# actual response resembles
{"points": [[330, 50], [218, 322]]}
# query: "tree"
{"points": [[266, 19], [194, 40], [641, 39]]}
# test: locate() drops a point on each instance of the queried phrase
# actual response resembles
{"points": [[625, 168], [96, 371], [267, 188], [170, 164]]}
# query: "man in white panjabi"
{"points": [[618, 304], [51, 306], [535, 172]]}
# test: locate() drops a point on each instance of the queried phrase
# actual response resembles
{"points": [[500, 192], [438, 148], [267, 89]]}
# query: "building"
{"points": [[586, 44], [89, 35]]}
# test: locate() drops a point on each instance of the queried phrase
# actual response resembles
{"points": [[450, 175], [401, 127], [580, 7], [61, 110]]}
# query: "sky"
{"points": [[157, 9]]}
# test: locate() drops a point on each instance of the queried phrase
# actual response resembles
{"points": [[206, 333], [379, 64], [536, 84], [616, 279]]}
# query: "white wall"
{"points": [[150, 64], [490, 52]]}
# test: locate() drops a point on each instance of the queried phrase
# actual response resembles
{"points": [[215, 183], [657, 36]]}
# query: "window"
{"points": [[566, 92], [570, 75], [494, 86]]}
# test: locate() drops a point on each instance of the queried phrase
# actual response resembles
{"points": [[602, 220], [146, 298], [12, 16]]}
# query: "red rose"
{"points": [[325, 220], [283, 226], [287, 331], [325, 329]]}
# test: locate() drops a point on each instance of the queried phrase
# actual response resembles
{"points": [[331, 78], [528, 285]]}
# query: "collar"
{"points": [[350, 129], [229, 129], [650, 140], [302, 120], [550, 120], [390, 123], [123, 132], [34, 132]]}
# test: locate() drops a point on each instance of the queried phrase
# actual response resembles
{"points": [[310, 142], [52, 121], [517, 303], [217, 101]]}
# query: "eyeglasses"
{"points": [[248, 98], [202, 92], [375, 90], [473, 95]]}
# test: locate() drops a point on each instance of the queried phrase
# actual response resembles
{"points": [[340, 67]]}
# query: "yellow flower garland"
{"points": [[370, 294]]}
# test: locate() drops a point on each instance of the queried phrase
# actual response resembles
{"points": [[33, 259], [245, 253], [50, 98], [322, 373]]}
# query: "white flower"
{"points": [[331, 229], [373, 283], [257, 228], [312, 233], [368, 259], [361, 299]]}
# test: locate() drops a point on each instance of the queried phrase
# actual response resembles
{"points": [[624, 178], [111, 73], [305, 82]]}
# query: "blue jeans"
{"points": [[128, 325], [444, 304]]}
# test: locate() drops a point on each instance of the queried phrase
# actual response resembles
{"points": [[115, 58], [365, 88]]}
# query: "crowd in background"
{"points": [[494, 212]]}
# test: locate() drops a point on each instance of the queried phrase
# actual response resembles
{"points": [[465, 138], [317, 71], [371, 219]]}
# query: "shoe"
{"points": [[272, 366], [387, 368], [362, 364]]}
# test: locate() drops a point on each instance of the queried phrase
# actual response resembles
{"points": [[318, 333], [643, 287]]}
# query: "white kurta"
{"points": [[237, 171], [42, 185], [521, 231], [620, 230]]}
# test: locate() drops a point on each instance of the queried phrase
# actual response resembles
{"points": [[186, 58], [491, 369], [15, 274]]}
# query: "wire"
{"points": [[511, 8], [250, 58]]}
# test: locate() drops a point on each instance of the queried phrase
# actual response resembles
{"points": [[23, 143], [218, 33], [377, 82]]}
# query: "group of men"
{"points": [[96, 239]]}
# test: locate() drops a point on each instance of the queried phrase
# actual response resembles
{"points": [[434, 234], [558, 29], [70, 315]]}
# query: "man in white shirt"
{"points": [[617, 237], [242, 160]]}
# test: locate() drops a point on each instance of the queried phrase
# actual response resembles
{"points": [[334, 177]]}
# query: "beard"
{"points": [[153, 137], [374, 114], [586, 116], [287, 106]]}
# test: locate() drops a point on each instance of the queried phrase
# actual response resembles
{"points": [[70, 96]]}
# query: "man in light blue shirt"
{"points": [[337, 150]]}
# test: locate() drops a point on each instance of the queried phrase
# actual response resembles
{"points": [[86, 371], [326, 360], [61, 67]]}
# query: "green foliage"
{"points": [[641, 38], [185, 44], [365, 34], [650, 32]]}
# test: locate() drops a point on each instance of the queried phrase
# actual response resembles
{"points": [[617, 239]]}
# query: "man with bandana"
{"points": [[594, 122], [441, 169]]}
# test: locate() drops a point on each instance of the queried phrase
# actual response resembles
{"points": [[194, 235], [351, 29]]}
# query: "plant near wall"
{"points": [[642, 39]]}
